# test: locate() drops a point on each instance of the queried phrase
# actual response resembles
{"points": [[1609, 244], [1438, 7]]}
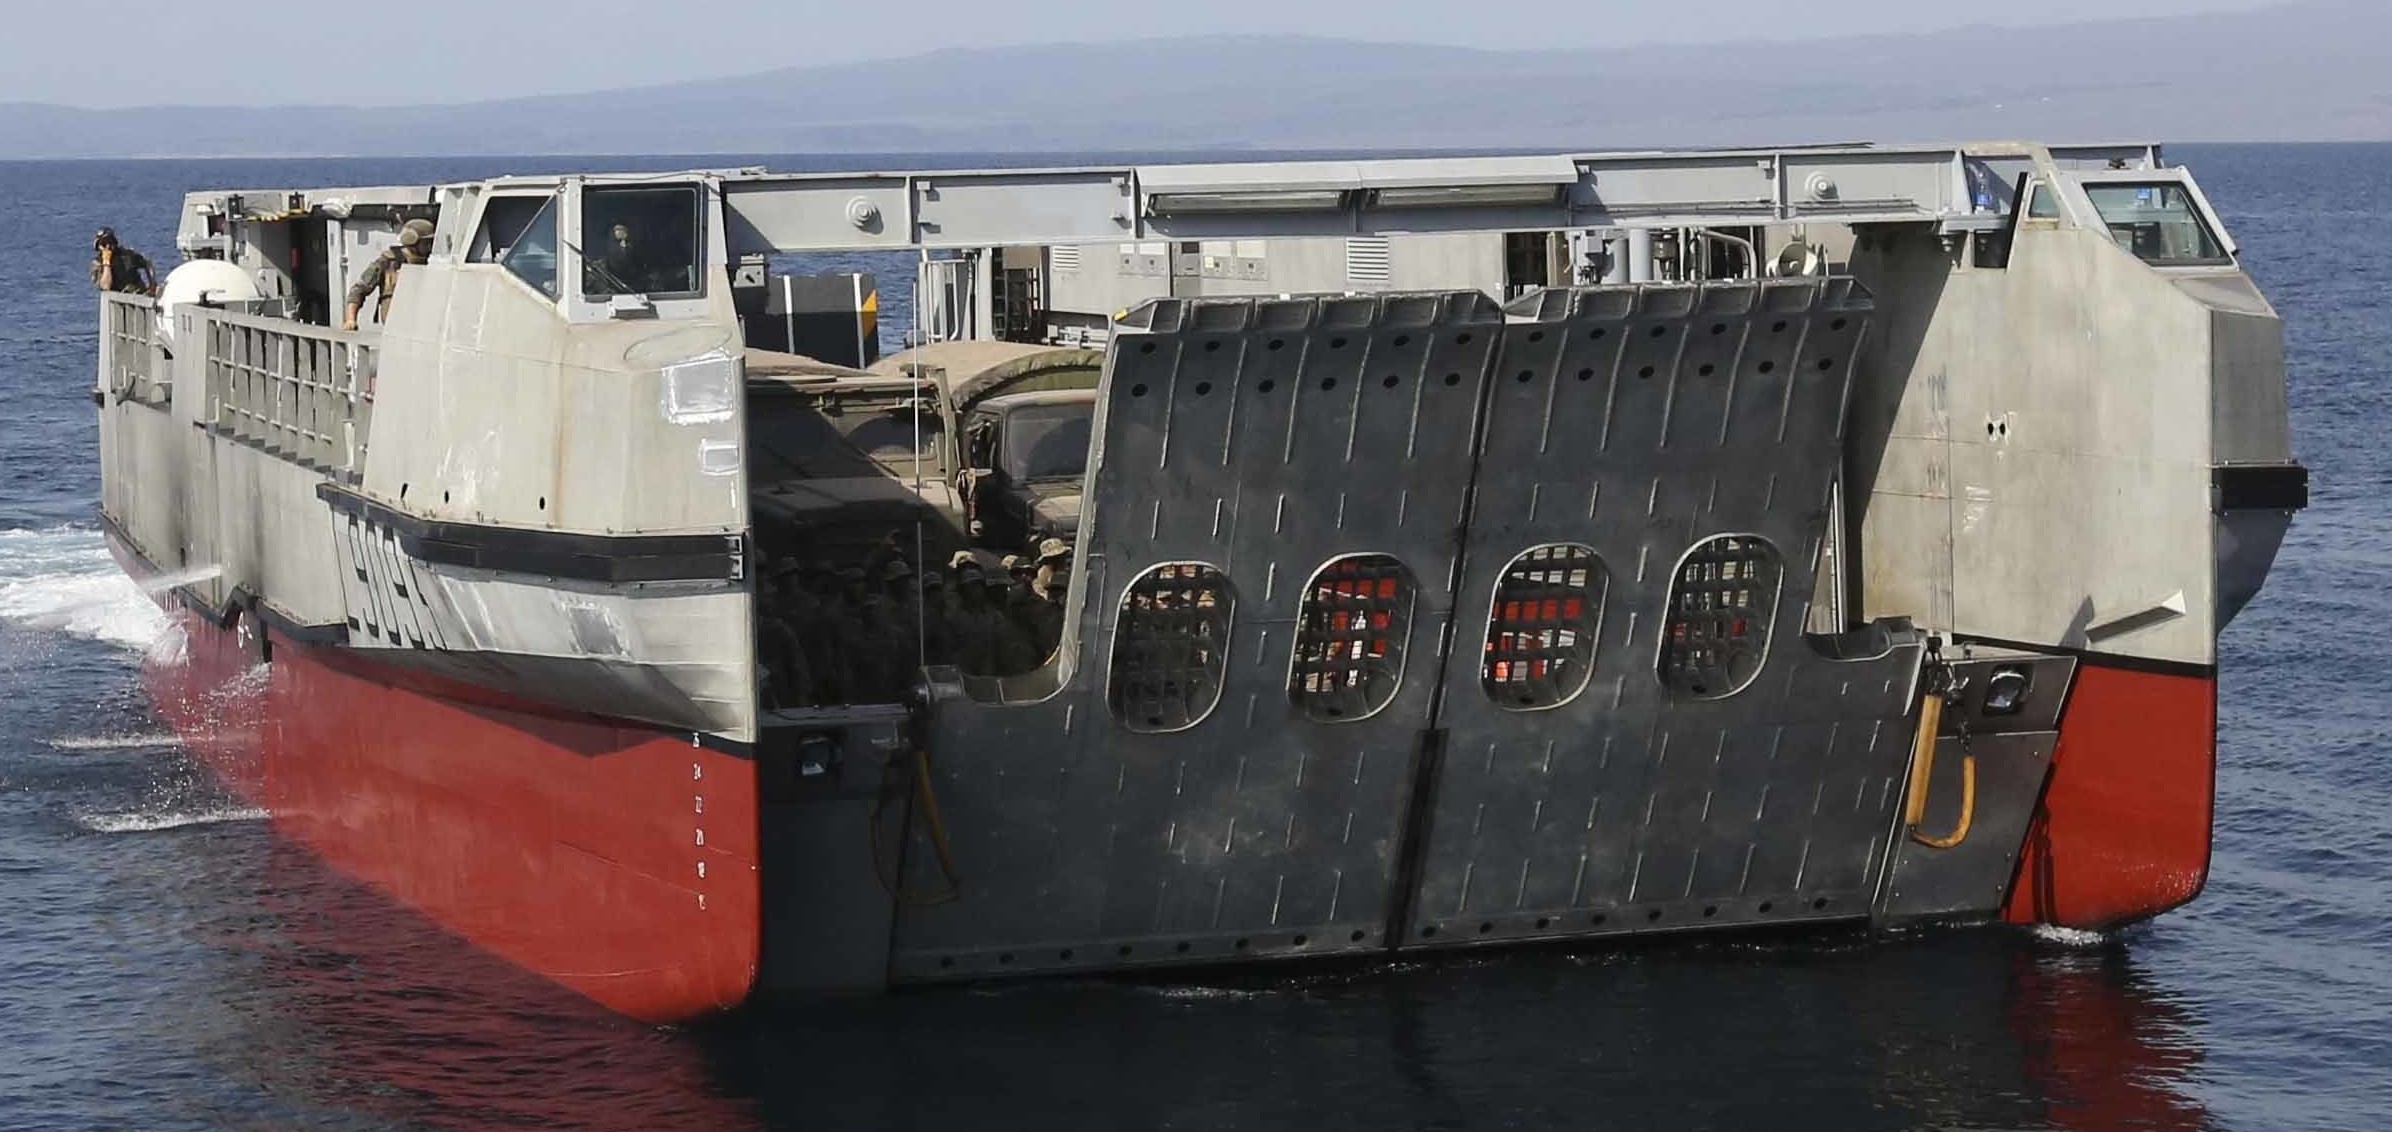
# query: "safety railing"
{"points": [[301, 392], [132, 367]]}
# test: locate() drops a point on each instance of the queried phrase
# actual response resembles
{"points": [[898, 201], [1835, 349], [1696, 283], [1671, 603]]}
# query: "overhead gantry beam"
{"points": [[1960, 187]]}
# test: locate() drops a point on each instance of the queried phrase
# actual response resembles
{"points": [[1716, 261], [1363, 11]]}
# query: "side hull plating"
{"points": [[613, 859], [2123, 831]]}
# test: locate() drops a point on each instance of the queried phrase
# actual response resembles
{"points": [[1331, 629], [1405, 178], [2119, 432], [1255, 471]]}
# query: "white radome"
{"points": [[201, 280]]}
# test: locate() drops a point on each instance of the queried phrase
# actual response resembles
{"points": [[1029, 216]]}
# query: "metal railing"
{"points": [[299, 391], [132, 367]]}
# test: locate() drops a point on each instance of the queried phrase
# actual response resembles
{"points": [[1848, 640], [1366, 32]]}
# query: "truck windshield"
{"points": [[2158, 223], [1048, 441]]}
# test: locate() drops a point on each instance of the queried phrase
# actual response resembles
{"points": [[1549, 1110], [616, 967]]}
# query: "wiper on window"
{"points": [[595, 268]]}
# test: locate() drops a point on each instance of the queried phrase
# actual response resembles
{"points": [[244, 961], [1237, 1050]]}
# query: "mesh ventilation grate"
{"points": [[1350, 638], [1720, 609], [1541, 638], [1170, 646]]}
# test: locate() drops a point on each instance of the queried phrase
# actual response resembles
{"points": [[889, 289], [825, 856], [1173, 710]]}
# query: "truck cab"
{"points": [[1022, 413], [839, 458], [1025, 455]]}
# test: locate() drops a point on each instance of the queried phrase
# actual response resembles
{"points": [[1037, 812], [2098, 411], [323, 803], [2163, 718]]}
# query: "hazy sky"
{"points": [[183, 52]]}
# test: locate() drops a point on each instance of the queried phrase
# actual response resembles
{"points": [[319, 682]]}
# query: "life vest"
{"points": [[393, 259]]}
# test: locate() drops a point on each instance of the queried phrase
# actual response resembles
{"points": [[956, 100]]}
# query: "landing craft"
{"points": [[1464, 552]]}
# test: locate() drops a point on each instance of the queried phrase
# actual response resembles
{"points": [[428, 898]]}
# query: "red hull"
{"points": [[2123, 831], [614, 859]]}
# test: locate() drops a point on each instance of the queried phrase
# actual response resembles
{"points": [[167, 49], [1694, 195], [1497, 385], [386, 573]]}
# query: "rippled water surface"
{"points": [[166, 962]]}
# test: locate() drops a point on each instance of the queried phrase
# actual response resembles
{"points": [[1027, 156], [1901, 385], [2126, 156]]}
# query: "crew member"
{"points": [[115, 267], [1022, 645], [624, 263], [1047, 584], [1054, 569], [414, 246], [891, 620], [932, 603], [978, 625], [781, 639]]}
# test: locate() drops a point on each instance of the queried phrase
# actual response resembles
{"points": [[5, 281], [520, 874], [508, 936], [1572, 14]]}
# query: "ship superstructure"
{"points": [[1260, 561]]}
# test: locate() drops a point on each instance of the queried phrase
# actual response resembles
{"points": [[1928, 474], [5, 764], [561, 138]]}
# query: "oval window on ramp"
{"points": [[1350, 638], [1721, 606], [1548, 608], [1170, 647]]}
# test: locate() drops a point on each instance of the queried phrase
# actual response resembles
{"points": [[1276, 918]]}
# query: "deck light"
{"points": [[2005, 691], [1465, 196], [1217, 204]]}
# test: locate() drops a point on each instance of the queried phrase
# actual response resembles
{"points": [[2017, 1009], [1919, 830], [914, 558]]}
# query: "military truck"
{"points": [[1021, 414], [846, 459]]}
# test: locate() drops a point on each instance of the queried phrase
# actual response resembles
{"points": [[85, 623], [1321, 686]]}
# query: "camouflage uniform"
{"points": [[1018, 646], [890, 625], [382, 274], [851, 638], [808, 612], [977, 627], [1054, 570], [791, 677], [115, 267], [1042, 617], [937, 604]]}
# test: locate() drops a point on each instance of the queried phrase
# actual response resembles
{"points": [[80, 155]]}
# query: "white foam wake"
{"points": [[159, 741], [151, 822], [61, 579], [2070, 937]]}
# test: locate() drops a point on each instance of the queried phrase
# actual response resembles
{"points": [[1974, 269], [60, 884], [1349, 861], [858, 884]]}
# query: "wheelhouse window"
{"points": [[641, 240], [1721, 607], [2159, 222], [2041, 204], [1170, 647], [531, 254], [1540, 648], [503, 222], [1350, 638]]}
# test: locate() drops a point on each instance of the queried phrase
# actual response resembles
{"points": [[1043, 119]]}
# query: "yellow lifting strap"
{"points": [[910, 781], [1922, 774]]}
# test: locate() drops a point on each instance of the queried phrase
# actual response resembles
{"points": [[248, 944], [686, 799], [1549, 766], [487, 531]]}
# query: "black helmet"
{"points": [[104, 236]]}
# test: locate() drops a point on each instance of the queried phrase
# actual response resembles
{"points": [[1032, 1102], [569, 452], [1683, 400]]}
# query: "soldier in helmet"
{"points": [[414, 246], [814, 605], [978, 624], [1048, 581], [1054, 569], [951, 599], [1022, 607], [890, 626], [938, 628], [1018, 648], [115, 267], [851, 636], [781, 644]]}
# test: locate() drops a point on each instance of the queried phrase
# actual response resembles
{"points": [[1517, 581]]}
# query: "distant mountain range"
{"points": [[2318, 71]]}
